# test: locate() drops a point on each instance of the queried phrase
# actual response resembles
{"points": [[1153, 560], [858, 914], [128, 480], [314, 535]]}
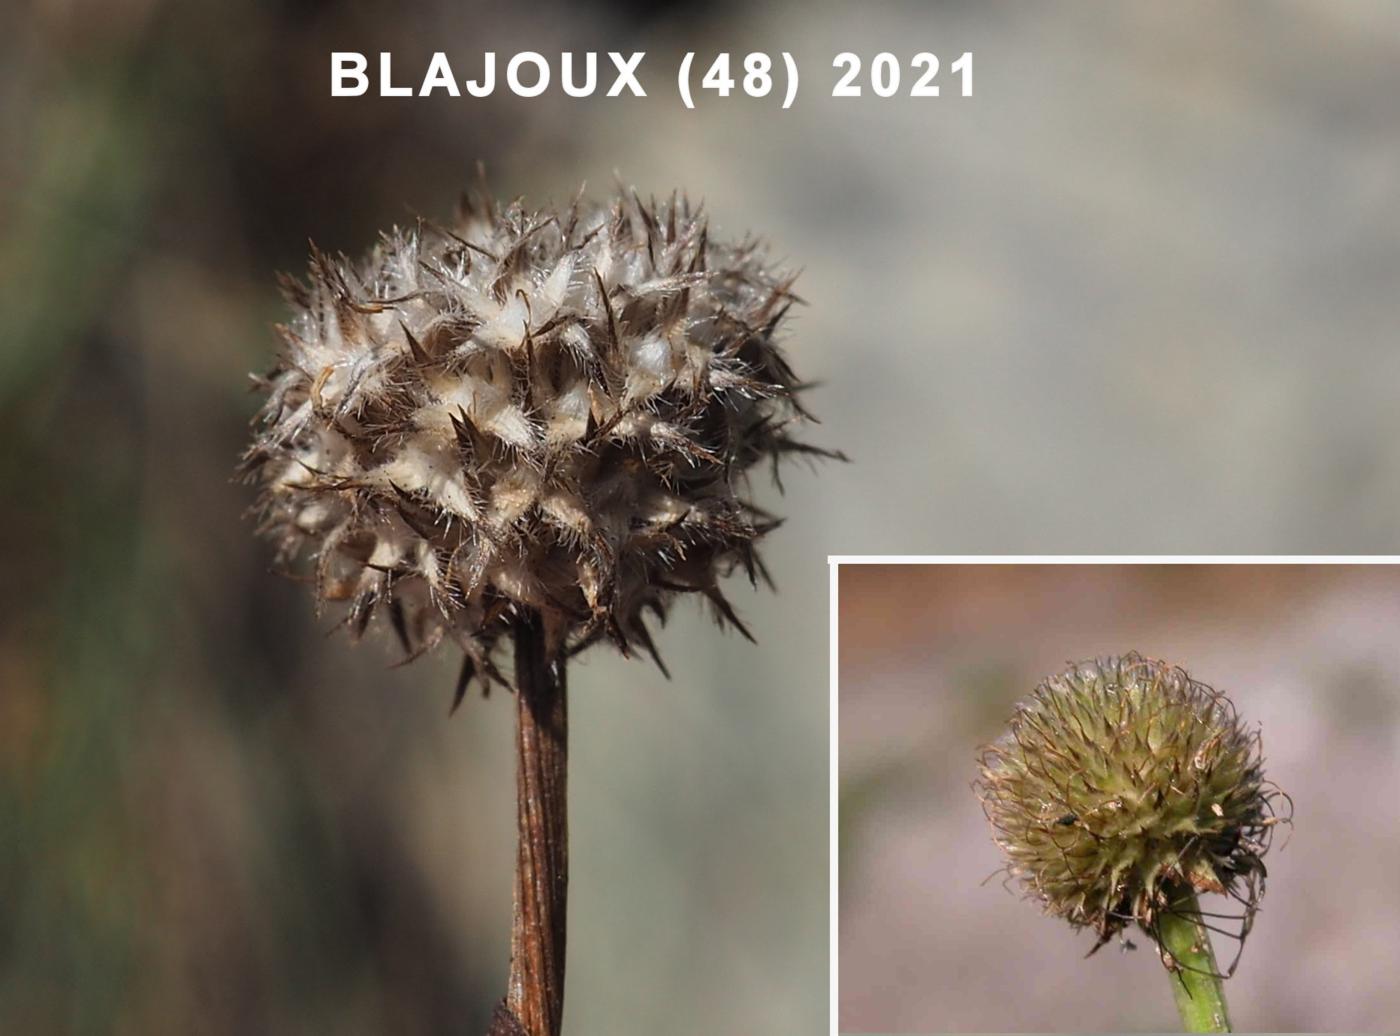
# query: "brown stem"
{"points": [[534, 1003]]}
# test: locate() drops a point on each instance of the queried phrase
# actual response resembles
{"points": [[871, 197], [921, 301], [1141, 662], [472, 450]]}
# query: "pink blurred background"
{"points": [[932, 660]]}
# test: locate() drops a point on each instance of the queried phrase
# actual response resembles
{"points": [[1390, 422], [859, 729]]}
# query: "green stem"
{"points": [[1195, 978]]}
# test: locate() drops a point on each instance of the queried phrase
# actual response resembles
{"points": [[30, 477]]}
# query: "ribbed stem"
{"points": [[534, 1003], [1200, 995]]}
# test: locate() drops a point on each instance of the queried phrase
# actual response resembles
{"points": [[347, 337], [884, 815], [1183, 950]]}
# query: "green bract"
{"points": [[1123, 784]]}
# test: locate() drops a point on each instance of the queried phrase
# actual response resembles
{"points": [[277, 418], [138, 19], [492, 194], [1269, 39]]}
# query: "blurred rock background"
{"points": [[933, 660], [1137, 294]]}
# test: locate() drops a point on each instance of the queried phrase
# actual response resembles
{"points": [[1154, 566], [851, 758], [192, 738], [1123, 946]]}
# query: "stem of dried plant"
{"points": [[534, 1001]]}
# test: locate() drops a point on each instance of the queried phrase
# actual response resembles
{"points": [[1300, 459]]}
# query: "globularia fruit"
{"points": [[551, 411], [1123, 788], [535, 426]]}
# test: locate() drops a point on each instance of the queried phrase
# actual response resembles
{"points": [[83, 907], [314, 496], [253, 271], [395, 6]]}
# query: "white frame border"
{"points": [[834, 563]]}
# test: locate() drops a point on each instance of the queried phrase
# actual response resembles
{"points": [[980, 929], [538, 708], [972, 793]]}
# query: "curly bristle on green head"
{"points": [[1121, 788]]}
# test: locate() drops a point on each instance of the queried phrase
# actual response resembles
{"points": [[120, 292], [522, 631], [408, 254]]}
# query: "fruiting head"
{"points": [[552, 411], [1122, 782]]}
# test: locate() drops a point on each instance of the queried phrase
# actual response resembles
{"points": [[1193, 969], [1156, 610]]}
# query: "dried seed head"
{"points": [[527, 410], [1123, 782]]}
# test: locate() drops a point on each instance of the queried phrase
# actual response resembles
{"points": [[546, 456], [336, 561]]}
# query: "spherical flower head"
{"points": [[1122, 783], [553, 411]]}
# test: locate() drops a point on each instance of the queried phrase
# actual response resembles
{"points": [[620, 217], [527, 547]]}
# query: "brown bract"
{"points": [[552, 411]]}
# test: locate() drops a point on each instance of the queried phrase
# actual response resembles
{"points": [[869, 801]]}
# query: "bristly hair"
{"points": [[545, 410], [1122, 783]]}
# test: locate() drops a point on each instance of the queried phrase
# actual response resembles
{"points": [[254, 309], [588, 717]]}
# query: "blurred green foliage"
{"points": [[213, 817]]}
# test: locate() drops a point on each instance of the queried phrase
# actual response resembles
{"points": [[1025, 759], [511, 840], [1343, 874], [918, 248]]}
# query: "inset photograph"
{"points": [[1118, 797]]}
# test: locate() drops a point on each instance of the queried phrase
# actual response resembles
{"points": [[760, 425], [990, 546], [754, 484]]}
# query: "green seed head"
{"points": [[1123, 783]]}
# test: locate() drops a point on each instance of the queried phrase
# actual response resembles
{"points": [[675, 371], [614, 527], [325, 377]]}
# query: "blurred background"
{"points": [[934, 659], [1161, 244]]}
